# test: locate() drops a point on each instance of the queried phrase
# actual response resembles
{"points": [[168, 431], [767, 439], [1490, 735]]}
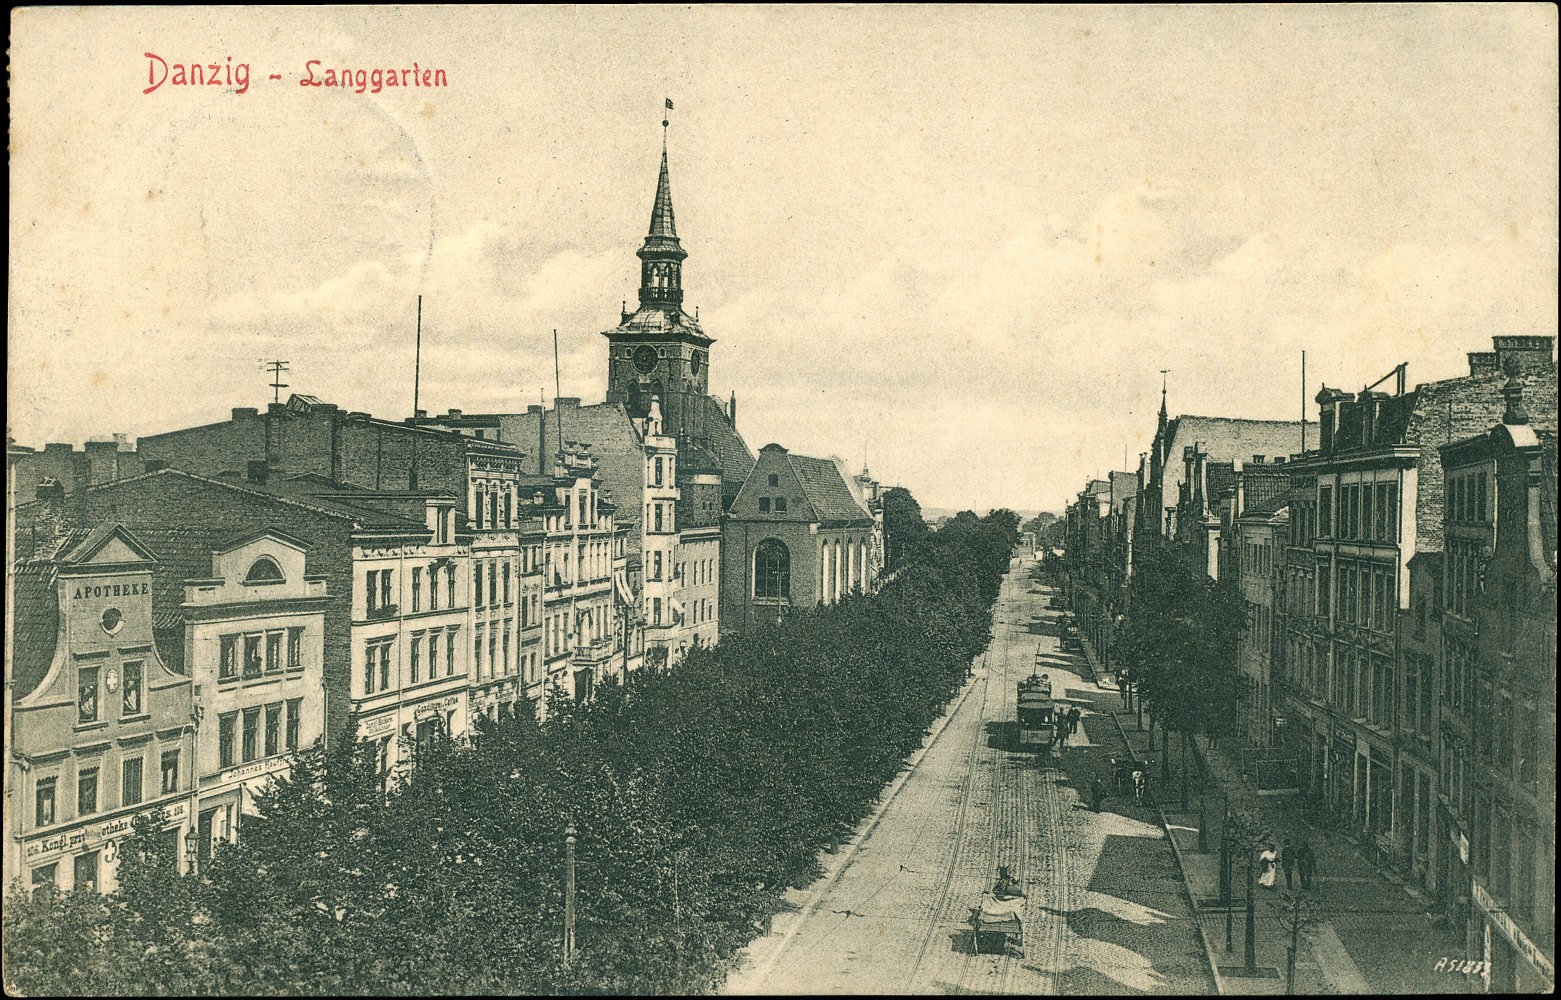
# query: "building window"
{"points": [[450, 585], [657, 481], [273, 729], [43, 802], [493, 662], [227, 733], [1325, 511], [658, 516], [46, 875], [228, 661], [655, 617], [449, 648], [415, 661], [264, 570], [170, 772], [130, 773], [506, 584], [384, 667], [251, 656], [86, 872], [764, 505], [780, 505], [433, 655], [772, 570], [86, 791], [251, 733], [477, 654], [273, 652], [385, 600], [477, 584], [493, 583], [774, 479], [369, 660], [295, 707], [86, 694], [295, 648], [417, 588], [131, 689]]}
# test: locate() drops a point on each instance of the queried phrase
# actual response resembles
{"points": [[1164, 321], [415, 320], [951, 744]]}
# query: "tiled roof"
{"points": [[824, 482], [1222, 480], [36, 626]]}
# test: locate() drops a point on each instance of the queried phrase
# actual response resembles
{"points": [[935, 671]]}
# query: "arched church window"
{"points": [[772, 569], [264, 570]]}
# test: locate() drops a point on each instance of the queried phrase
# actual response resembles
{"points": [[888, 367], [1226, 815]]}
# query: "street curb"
{"points": [[1192, 907], [907, 768]]}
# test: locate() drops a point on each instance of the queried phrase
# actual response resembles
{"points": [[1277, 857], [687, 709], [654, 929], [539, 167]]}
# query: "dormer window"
{"points": [[264, 570]]}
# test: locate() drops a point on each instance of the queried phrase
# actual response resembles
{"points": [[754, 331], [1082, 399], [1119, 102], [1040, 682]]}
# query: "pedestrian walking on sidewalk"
{"points": [[1306, 864], [1073, 720], [1287, 862], [1267, 859], [1062, 729], [1098, 792], [1116, 775], [1140, 781]]}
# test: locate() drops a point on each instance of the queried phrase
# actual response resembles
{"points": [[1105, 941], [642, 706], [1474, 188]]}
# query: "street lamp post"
{"points": [[1251, 949], [569, 895]]}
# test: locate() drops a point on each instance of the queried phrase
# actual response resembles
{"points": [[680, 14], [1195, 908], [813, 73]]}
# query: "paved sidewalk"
{"points": [[1374, 934]]}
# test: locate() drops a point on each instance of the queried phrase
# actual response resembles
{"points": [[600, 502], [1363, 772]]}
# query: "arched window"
{"points": [[264, 570], [772, 569]]}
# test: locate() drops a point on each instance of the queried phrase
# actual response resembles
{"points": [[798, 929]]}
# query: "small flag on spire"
{"points": [[669, 104]]}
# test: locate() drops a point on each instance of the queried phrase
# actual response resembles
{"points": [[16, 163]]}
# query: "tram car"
{"points": [[1037, 724]]}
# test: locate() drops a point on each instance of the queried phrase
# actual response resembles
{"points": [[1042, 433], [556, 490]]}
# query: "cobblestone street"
{"points": [[1106, 912]]}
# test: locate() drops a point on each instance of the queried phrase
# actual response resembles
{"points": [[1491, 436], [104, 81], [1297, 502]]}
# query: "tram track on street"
{"points": [[961, 823]]}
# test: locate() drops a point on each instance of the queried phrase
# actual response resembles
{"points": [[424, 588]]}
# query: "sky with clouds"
{"points": [[962, 242]]}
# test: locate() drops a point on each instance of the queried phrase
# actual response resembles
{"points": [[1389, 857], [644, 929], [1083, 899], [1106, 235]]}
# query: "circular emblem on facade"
{"points": [[112, 621], [645, 359], [697, 362], [111, 681]]}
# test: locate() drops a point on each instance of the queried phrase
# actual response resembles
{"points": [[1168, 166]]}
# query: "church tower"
{"points": [[659, 350]]}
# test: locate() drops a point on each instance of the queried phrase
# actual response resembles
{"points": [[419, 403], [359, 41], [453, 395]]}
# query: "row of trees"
{"points": [[698, 795], [1180, 639]]}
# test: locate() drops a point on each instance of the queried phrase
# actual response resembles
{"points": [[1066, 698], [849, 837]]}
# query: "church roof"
{"points": [[824, 482], [660, 321], [662, 222]]}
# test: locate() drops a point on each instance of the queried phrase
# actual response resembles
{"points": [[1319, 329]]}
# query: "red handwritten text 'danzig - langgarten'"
{"points": [[235, 77]]}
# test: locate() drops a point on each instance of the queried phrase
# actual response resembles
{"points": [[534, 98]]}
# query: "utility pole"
{"points": [[1251, 955], [569, 895], [276, 368]]}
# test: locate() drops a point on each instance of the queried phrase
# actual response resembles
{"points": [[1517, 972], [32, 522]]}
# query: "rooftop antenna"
{"points": [[558, 412], [417, 358], [1303, 402], [276, 368]]}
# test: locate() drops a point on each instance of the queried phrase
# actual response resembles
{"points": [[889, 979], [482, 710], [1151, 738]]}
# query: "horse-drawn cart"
{"points": [[999, 919]]}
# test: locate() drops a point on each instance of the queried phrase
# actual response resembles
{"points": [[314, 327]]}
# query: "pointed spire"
{"points": [[662, 222], [661, 257]]}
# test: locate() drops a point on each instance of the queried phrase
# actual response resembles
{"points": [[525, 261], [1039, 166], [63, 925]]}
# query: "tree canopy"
{"points": [[1180, 638], [697, 796]]}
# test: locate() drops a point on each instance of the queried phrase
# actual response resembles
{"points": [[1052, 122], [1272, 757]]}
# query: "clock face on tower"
{"points": [[697, 361], [645, 359]]}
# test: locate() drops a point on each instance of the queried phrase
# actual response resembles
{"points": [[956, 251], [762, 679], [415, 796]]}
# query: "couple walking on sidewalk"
{"points": [[1293, 861]]}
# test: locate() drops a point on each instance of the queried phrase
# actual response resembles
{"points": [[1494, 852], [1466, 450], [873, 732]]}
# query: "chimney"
{"points": [[53, 522], [1482, 363], [566, 402], [1524, 355], [732, 408], [454, 414], [245, 413]]}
